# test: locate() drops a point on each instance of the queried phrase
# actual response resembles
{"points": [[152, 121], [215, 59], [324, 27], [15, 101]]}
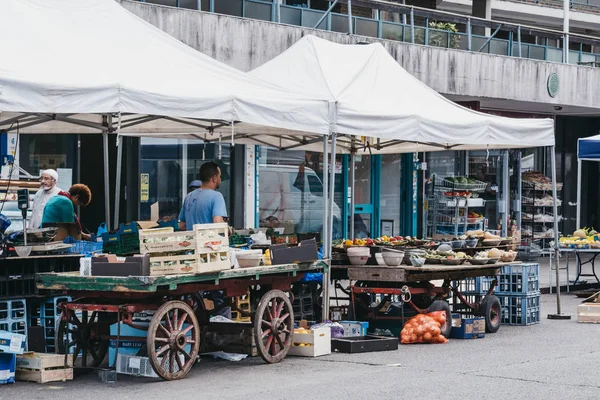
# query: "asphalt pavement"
{"points": [[550, 360]]}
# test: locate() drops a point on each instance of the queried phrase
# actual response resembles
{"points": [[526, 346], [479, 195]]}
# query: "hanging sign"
{"points": [[144, 188]]}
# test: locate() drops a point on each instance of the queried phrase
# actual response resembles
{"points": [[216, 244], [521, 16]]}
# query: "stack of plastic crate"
{"points": [[46, 313], [518, 290], [304, 303], [13, 316], [241, 303], [519, 294]]}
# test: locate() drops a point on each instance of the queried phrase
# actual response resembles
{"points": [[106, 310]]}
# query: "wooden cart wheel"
{"points": [[173, 340], [274, 326], [85, 338]]}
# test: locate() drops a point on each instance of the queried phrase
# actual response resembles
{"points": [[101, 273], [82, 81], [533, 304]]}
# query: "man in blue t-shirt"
{"points": [[207, 206], [204, 205]]}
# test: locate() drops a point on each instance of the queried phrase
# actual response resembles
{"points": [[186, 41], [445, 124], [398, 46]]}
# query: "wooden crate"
{"points": [[213, 261], [588, 313], [314, 343], [166, 242], [173, 265], [43, 368], [211, 236]]}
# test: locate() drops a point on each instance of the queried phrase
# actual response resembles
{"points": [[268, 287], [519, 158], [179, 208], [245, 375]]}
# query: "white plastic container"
{"points": [[358, 255], [249, 258]]}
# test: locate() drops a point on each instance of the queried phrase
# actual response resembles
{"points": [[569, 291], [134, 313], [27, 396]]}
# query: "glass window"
{"points": [[391, 176], [170, 165], [229, 7], [290, 191]]}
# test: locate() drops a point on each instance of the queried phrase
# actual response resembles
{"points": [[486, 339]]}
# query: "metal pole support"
{"points": [[350, 30], [559, 314]]}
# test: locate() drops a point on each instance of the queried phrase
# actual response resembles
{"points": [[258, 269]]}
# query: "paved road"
{"points": [[552, 360]]}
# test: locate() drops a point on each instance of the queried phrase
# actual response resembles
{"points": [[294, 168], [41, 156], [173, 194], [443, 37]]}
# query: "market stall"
{"points": [[179, 92], [381, 108]]}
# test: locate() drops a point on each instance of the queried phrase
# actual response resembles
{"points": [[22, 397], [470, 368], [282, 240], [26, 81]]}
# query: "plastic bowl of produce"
{"points": [[393, 258], [457, 244], [23, 251], [379, 259], [471, 242], [453, 261], [417, 261], [444, 248], [479, 261], [491, 242]]}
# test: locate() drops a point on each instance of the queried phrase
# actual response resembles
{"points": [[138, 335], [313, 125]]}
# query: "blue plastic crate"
{"points": [[85, 247], [13, 316], [46, 313], [8, 363], [513, 280], [519, 279], [520, 309]]}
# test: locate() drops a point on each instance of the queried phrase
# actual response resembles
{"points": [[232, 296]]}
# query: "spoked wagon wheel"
{"points": [[274, 326], [84, 337], [173, 340]]}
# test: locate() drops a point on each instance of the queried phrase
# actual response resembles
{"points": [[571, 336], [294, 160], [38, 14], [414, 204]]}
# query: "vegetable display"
{"points": [[424, 328]]}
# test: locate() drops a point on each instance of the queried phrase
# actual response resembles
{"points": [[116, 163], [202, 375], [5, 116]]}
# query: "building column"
{"points": [[482, 9]]}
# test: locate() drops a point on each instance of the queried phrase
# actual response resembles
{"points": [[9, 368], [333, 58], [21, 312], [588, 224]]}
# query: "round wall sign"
{"points": [[553, 84]]}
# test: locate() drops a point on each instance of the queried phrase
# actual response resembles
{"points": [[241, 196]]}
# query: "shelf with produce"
{"points": [[459, 184]]}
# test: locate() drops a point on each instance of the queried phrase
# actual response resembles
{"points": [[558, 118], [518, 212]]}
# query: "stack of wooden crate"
{"points": [[205, 249]]}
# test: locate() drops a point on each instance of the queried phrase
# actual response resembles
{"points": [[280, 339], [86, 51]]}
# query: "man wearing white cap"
{"points": [[48, 189]]}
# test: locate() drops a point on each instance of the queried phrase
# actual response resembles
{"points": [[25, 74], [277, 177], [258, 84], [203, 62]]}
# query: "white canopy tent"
{"points": [[378, 98], [90, 66]]}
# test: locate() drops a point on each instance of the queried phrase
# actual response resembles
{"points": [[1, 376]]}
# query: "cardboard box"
{"points": [[306, 251], [110, 265], [467, 328], [43, 368], [7, 368], [588, 313], [131, 340], [319, 341], [12, 342], [355, 328], [589, 310]]}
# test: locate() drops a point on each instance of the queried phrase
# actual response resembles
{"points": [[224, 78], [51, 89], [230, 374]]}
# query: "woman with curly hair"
{"points": [[60, 212]]}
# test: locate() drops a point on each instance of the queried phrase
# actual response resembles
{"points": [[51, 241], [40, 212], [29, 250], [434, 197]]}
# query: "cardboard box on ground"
{"points": [[589, 310]]}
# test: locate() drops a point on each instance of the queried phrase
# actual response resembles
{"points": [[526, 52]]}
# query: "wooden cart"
{"points": [[417, 288], [175, 331]]}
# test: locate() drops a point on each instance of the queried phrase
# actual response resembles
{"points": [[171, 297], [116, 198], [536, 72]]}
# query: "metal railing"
{"points": [[411, 32]]}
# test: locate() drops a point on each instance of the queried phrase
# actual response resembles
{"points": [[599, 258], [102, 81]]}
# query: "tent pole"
{"points": [[330, 225], [352, 197], [118, 179], [579, 173], [106, 180], [325, 232], [559, 314], [350, 17]]}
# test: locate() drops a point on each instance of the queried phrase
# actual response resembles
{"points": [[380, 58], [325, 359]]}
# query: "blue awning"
{"points": [[589, 148]]}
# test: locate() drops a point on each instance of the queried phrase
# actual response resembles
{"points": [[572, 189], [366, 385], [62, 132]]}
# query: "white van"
{"points": [[280, 196]]}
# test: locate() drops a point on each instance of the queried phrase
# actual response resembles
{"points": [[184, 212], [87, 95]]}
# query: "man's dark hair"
{"points": [[84, 193], [208, 170]]}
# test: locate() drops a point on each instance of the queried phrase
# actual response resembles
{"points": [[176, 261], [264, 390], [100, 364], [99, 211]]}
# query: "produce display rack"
{"points": [[445, 203], [530, 204]]}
